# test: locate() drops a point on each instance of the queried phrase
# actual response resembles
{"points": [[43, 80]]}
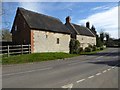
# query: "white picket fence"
{"points": [[15, 49]]}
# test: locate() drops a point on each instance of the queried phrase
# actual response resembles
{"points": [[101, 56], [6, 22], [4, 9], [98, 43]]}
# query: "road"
{"points": [[85, 71]]}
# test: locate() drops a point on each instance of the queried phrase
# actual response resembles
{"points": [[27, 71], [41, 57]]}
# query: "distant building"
{"points": [[85, 36], [46, 33]]}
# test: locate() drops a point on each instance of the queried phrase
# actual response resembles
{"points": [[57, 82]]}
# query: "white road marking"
{"points": [[68, 86], [109, 69], [98, 57], [113, 67], [101, 56], [80, 80], [98, 74], [104, 71], [91, 77], [27, 71]]}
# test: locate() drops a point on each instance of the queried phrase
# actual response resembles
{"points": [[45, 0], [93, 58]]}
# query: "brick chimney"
{"points": [[88, 25], [68, 19]]}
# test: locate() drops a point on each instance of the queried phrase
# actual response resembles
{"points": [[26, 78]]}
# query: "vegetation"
{"points": [[5, 35], [94, 48], [89, 53], [88, 49], [102, 36], [74, 46], [35, 57]]}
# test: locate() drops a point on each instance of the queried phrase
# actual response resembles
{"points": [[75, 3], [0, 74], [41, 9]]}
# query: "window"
{"points": [[15, 27], [57, 40], [46, 36]]}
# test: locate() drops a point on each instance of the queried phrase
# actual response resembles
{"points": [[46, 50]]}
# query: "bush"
{"points": [[98, 48], [88, 49], [81, 49], [90, 46], [94, 48], [71, 46], [74, 46], [101, 48]]}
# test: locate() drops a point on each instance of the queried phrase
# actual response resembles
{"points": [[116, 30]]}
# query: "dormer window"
{"points": [[15, 27]]}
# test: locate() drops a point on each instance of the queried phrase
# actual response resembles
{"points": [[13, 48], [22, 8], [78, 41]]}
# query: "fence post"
{"points": [[29, 48], [8, 51], [21, 49]]}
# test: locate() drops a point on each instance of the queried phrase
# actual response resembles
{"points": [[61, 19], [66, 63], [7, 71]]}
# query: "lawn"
{"points": [[38, 57], [35, 57], [90, 53]]}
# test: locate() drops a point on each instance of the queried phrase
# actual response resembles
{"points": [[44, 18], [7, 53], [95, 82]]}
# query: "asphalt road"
{"points": [[87, 71]]}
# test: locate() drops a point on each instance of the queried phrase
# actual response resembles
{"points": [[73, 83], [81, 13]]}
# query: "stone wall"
{"points": [[47, 41], [86, 40]]}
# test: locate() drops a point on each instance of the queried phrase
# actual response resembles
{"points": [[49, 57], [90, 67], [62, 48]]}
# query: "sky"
{"points": [[103, 15]]}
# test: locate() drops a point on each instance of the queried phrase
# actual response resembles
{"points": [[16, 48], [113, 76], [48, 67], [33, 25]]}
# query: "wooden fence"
{"points": [[15, 49]]}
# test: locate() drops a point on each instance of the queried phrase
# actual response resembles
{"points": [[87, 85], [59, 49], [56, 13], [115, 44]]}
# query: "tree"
{"points": [[99, 43], [74, 46], [107, 36], [6, 35], [102, 36]]}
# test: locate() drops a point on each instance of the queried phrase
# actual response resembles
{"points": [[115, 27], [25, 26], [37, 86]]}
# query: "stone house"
{"points": [[83, 34], [46, 33]]}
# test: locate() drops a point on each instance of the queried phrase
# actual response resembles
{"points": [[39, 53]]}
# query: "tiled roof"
{"points": [[43, 22], [79, 30]]}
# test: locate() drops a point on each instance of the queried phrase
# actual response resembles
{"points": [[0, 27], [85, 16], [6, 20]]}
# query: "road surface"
{"points": [[85, 71]]}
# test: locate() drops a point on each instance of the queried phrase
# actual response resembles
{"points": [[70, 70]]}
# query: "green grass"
{"points": [[35, 57], [38, 57], [90, 53]]}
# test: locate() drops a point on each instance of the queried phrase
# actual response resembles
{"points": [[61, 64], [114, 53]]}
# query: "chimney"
{"points": [[68, 19], [88, 25]]}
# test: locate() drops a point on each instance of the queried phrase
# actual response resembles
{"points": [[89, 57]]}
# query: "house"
{"points": [[46, 33], [83, 34]]}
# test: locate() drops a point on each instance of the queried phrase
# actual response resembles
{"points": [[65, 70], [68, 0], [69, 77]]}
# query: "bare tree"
{"points": [[6, 35]]}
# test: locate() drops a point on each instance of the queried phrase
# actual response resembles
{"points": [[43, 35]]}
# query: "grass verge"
{"points": [[90, 53], [35, 57]]}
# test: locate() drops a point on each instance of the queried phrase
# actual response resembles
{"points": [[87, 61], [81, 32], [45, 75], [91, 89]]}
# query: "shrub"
{"points": [[71, 46], [81, 49], [98, 48], [88, 49], [74, 46], [101, 48], [90, 46], [77, 46], [94, 48]]}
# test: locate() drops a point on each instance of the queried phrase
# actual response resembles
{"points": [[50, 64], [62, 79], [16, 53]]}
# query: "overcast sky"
{"points": [[103, 15]]}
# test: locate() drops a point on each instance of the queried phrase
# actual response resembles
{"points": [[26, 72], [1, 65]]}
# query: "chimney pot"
{"points": [[88, 25], [68, 19]]}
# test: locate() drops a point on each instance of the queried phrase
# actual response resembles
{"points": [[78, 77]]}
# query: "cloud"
{"points": [[106, 20], [101, 8], [34, 6]]}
